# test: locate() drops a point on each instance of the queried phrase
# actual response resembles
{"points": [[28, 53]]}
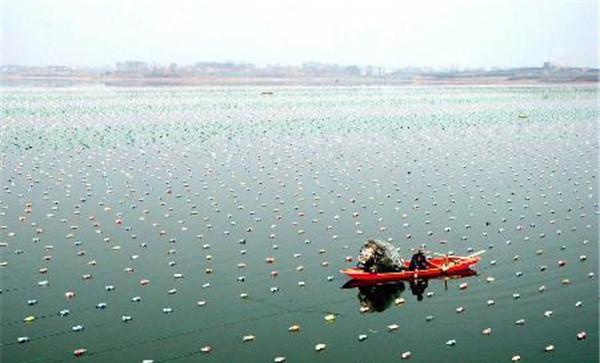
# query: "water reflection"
{"points": [[418, 288], [377, 297]]}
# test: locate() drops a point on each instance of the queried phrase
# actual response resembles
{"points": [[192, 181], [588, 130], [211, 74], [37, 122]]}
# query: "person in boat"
{"points": [[418, 261]]}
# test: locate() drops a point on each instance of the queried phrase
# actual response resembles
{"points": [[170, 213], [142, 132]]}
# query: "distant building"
{"points": [[60, 70], [12, 68], [373, 71], [224, 68], [132, 67], [352, 70], [548, 65]]}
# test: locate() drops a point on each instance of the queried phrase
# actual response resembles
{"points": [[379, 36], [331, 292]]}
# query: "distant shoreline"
{"points": [[62, 81]]}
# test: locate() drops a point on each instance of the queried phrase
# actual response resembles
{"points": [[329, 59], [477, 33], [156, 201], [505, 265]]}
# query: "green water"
{"points": [[211, 177]]}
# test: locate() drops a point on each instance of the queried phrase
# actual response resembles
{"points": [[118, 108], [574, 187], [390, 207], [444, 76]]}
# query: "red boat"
{"points": [[438, 266]]}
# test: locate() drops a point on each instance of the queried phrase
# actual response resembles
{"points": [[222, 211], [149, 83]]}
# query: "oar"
{"points": [[461, 257], [445, 267], [480, 252]]}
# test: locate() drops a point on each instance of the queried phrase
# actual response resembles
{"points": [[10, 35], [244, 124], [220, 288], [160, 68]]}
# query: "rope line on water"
{"points": [[187, 332]]}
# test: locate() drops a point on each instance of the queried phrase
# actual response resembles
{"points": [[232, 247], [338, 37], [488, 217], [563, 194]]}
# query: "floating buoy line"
{"points": [[145, 204]]}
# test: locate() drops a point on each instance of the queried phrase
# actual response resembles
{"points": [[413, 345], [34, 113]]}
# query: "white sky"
{"points": [[392, 33]]}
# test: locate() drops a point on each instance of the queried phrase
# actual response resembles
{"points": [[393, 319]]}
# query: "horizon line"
{"points": [[302, 64]]}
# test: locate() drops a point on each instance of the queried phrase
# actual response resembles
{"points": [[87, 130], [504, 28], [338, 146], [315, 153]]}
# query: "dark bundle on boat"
{"points": [[379, 256]]}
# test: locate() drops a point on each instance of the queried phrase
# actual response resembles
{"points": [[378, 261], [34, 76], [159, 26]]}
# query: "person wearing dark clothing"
{"points": [[418, 261]]}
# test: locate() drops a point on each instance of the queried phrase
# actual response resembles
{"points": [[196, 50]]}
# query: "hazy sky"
{"points": [[391, 33]]}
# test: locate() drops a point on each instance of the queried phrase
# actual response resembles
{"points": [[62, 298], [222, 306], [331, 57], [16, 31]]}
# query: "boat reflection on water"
{"points": [[377, 297], [418, 288]]}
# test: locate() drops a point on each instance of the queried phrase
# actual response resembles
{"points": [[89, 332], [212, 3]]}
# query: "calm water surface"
{"points": [[194, 189]]}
